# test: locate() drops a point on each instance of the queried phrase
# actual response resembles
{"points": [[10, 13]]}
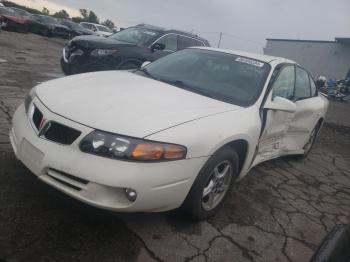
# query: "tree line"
{"points": [[85, 15]]}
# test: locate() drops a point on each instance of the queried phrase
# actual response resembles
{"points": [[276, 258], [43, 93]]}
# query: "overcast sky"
{"points": [[248, 22]]}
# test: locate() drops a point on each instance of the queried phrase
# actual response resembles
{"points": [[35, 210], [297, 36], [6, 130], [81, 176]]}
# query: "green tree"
{"points": [[45, 11], [78, 19], [61, 14], [84, 13], [93, 18], [109, 23]]}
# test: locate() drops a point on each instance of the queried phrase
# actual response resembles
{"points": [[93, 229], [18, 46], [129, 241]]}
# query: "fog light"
{"points": [[130, 194]]}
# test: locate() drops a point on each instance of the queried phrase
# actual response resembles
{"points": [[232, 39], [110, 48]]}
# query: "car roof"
{"points": [[260, 57]]}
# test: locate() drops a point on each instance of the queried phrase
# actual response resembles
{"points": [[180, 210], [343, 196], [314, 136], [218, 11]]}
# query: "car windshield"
{"points": [[47, 19], [7, 11], [226, 77], [104, 29], [136, 35]]}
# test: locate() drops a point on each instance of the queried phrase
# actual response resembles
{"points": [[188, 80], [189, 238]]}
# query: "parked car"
{"points": [[21, 12], [176, 133], [12, 21], [99, 30], [76, 29], [127, 49], [49, 26]]}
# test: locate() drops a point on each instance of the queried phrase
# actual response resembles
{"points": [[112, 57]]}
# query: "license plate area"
{"points": [[31, 156]]}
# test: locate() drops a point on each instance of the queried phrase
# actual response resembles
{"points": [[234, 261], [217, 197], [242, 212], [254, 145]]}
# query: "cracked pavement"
{"points": [[280, 211]]}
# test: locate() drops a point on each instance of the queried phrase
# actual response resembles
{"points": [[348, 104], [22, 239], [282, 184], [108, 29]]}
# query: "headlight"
{"points": [[102, 52], [29, 98], [127, 148]]}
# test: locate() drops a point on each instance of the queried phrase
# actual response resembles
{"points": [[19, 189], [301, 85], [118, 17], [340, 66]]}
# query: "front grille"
{"points": [[68, 180], [61, 134], [37, 117], [52, 130]]}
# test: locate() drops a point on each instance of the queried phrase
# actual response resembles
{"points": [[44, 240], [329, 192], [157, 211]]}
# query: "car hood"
{"points": [[93, 41], [16, 19], [125, 103]]}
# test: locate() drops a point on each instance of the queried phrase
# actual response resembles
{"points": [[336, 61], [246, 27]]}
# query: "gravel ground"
{"points": [[280, 212]]}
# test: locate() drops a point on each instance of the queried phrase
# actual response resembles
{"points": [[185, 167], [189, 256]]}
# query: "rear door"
{"points": [[309, 108], [171, 45], [185, 42]]}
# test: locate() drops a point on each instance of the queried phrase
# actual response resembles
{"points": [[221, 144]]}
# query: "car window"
{"points": [[199, 43], [302, 84], [284, 84], [103, 29], [225, 77], [89, 26], [136, 35], [313, 87], [170, 42], [185, 42]]}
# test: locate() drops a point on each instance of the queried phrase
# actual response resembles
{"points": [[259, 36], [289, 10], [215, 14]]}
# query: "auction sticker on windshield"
{"points": [[249, 61]]}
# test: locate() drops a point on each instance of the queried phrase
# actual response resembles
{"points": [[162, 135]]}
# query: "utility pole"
{"points": [[220, 39]]}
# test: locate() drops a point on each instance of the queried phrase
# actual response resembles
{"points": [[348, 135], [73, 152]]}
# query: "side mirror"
{"points": [[144, 64], [157, 46], [280, 104]]}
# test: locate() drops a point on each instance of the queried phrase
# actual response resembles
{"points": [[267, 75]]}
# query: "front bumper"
{"points": [[81, 63], [101, 181]]}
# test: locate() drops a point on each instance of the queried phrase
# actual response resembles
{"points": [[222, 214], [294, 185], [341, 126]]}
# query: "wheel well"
{"points": [[320, 121], [241, 147]]}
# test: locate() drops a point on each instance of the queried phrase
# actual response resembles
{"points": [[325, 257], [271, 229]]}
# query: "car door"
{"points": [[171, 45], [276, 123], [308, 109]]}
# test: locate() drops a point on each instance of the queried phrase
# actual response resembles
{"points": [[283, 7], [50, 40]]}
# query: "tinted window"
{"points": [[199, 43], [302, 84], [104, 29], [88, 26], [284, 84], [185, 42], [170, 42], [313, 87], [136, 35], [225, 77]]}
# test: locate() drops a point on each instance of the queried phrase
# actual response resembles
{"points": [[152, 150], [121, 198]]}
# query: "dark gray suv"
{"points": [[127, 49]]}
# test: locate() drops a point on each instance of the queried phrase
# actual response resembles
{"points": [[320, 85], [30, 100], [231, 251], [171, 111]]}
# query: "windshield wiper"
{"points": [[186, 86], [145, 71]]}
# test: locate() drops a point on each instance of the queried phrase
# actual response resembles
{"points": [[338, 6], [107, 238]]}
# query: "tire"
{"points": [[129, 65], [47, 32], [198, 201], [67, 70]]}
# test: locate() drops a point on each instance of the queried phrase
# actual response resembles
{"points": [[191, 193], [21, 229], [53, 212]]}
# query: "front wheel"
{"points": [[66, 68], [212, 185]]}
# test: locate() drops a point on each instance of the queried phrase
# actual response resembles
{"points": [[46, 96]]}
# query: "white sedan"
{"points": [[176, 133]]}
